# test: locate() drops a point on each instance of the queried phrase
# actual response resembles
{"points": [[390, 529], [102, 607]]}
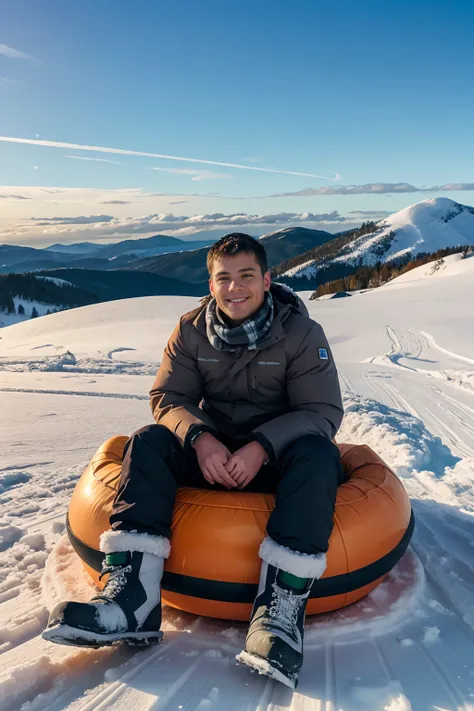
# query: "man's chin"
{"points": [[237, 318]]}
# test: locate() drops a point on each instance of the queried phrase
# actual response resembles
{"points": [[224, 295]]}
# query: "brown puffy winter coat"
{"points": [[285, 390]]}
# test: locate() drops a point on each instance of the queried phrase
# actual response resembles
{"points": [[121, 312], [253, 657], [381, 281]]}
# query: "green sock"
{"points": [[292, 581], [118, 558]]}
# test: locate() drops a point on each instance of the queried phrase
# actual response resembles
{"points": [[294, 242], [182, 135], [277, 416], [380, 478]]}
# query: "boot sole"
{"points": [[263, 666], [75, 637]]}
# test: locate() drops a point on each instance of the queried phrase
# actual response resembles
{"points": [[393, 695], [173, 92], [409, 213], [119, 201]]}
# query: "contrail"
{"points": [[15, 54], [121, 151]]}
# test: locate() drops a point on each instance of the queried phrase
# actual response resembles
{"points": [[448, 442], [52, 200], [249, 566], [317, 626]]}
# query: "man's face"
{"points": [[238, 285]]}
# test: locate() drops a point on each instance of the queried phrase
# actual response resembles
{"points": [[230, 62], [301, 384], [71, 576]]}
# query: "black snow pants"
{"points": [[304, 478]]}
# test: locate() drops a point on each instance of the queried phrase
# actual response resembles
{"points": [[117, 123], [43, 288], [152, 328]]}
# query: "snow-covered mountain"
{"points": [[423, 227], [405, 354]]}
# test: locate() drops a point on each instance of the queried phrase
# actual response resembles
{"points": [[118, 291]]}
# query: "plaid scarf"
{"points": [[250, 334]]}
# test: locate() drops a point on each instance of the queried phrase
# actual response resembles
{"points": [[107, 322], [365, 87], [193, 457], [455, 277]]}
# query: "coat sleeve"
{"points": [[178, 389], [314, 395]]}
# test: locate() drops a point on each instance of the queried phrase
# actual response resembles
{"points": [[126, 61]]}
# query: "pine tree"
{"points": [[21, 310], [34, 312]]}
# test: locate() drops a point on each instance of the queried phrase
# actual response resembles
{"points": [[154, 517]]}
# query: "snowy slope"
{"points": [[406, 359], [423, 227], [28, 305]]}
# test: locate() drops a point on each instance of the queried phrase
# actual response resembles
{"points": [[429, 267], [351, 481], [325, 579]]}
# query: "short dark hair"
{"points": [[237, 243]]}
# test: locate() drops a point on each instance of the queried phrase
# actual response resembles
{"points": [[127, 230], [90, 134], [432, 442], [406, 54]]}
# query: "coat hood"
{"points": [[286, 296]]}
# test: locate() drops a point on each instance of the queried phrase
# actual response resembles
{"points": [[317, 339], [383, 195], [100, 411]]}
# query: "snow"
{"points": [[55, 280], [405, 354], [426, 226], [28, 304]]}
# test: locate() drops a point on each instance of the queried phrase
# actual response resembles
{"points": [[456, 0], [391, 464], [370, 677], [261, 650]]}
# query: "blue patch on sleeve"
{"points": [[323, 353]]}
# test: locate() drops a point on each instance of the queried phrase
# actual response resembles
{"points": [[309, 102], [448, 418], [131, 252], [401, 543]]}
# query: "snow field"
{"points": [[405, 355]]}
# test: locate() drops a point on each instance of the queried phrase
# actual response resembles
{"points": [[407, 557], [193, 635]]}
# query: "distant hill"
{"points": [[290, 241], [76, 248], [88, 255], [124, 283]]}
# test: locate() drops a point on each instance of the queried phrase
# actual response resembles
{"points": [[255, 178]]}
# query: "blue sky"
{"points": [[355, 94]]}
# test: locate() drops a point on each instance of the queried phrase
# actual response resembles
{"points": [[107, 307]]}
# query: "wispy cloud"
{"points": [[14, 197], [254, 159], [369, 213], [374, 189], [96, 160], [115, 202], [80, 220], [121, 151], [7, 80], [16, 54], [197, 174]]}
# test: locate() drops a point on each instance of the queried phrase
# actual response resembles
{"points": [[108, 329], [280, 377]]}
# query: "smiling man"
{"points": [[247, 398]]}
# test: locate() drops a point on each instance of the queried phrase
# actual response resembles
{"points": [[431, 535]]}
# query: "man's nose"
{"points": [[235, 285]]}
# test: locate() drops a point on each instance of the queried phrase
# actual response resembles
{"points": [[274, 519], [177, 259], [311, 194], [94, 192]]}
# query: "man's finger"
{"points": [[216, 475], [234, 469], [240, 478], [223, 473], [230, 464], [207, 476]]}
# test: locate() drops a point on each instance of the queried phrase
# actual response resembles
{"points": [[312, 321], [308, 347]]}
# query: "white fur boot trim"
{"points": [[303, 565], [123, 541]]}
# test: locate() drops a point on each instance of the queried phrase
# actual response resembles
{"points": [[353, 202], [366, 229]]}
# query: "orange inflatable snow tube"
{"points": [[213, 569]]}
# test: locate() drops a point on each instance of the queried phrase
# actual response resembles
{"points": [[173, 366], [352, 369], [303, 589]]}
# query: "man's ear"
{"points": [[211, 288], [267, 281]]}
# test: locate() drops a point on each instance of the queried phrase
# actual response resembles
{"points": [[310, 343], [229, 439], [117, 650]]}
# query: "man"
{"points": [[246, 398]]}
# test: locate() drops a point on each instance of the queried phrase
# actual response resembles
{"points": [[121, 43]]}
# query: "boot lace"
{"points": [[284, 609], [117, 578]]}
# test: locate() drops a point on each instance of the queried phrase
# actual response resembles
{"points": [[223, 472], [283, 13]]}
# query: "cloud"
{"points": [[374, 189], [370, 213], [14, 197], [254, 159], [115, 202], [8, 81], [167, 221], [43, 230], [97, 160], [178, 202], [120, 151], [16, 54], [197, 174], [80, 220]]}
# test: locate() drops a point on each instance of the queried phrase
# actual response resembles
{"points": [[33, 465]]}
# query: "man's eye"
{"points": [[247, 276]]}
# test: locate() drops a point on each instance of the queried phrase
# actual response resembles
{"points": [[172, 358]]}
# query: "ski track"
{"points": [[356, 665]]}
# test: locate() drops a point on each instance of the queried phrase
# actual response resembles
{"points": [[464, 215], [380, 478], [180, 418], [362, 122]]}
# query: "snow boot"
{"points": [[274, 643], [129, 607]]}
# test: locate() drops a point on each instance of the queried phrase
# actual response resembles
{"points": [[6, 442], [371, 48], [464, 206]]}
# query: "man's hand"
{"points": [[245, 463], [212, 457]]}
